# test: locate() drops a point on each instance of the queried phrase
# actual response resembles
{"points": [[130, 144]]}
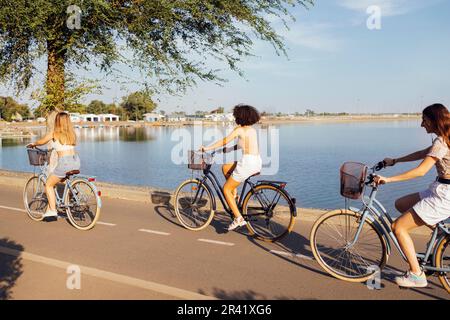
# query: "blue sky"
{"points": [[335, 63]]}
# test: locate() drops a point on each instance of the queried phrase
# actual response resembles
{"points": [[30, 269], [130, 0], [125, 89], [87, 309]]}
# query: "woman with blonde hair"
{"points": [[64, 141], [53, 158]]}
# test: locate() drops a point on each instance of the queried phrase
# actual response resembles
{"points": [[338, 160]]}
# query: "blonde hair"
{"points": [[64, 132], [51, 121]]}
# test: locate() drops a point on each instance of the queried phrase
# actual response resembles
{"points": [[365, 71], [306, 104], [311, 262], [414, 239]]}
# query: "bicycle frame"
{"points": [[42, 176], [384, 221]]}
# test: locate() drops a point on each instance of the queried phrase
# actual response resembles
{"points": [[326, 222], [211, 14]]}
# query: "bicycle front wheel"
{"points": [[35, 199], [442, 261], [82, 205], [269, 212], [194, 205], [331, 237]]}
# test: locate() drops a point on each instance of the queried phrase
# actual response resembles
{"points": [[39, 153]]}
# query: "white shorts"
{"points": [[434, 204], [249, 165]]}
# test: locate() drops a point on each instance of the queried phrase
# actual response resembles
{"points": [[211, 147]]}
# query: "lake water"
{"points": [[310, 155]]}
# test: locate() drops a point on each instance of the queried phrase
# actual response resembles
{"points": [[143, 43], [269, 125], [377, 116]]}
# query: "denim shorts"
{"points": [[66, 164]]}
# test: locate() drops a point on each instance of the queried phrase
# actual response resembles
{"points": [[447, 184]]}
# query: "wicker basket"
{"points": [[38, 157], [353, 176], [199, 160]]}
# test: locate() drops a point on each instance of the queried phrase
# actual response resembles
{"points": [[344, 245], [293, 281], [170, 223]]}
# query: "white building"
{"points": [[75, 117], [89, 118], [108, 117], [175, 118], [220, 117], [152, 117]]}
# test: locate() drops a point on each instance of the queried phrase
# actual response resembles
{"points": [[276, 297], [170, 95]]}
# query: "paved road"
{"points": [[140, 252]]}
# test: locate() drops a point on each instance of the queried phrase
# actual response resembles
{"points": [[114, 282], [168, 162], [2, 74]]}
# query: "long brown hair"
{"points": [[440, 117], [64, 132]]}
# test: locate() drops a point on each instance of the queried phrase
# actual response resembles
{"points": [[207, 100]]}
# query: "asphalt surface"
{"points": [[139, 251]]}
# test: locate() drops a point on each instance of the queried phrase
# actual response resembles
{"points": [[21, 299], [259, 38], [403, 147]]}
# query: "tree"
{"points": [[137, 104], [170, 40], [97, 107], [10, 109], [309, 113]]}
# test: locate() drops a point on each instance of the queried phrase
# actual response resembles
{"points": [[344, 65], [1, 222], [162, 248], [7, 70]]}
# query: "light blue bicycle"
{"points": [[80, 199], [349, 243]]}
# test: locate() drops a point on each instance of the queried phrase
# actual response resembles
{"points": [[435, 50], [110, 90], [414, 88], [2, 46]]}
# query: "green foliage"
{"points": [[137, 104], [9, 108], [170, 40]]}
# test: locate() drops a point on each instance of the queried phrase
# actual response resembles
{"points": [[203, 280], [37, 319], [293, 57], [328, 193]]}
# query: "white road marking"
{"points": [[217, 242], [291, 255], [155, 232], [23, 210], [13, 209], [106, 224], [139, 283]]}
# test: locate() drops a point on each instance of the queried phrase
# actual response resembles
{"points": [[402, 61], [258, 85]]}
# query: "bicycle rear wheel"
{"points": [[194, 206], [330, 237], [269, 212], [82, 205], [35, 199], [442, 260]]}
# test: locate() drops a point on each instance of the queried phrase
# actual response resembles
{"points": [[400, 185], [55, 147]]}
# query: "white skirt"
{"points": [[434, 204], [249, 165]]}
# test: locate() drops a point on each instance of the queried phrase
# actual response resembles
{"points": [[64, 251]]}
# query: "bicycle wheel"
{"points": [[35, 199], [193, 205], [82, 205], [442, 260], [333, 232], [269, 212]]}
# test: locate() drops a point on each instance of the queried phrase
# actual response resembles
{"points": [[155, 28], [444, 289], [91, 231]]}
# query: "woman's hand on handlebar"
{"points": [[378, 180], [31, 145], [388, 162]]}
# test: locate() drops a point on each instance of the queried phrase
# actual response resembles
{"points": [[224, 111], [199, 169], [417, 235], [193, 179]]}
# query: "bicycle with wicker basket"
{"points": [[352, 244], [267, 207], [80, 199]]}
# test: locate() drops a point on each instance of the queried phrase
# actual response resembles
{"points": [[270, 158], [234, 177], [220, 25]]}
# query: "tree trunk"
{"points": [[55, 76]]}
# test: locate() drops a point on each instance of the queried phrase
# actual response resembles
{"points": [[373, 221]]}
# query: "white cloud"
{"points": [[388, 7], [313, 36]]}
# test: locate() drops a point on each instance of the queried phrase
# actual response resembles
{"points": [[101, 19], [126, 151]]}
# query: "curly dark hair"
{"points": [[246, 115]]}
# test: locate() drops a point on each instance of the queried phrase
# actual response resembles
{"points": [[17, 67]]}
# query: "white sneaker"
{"points": [[411, 280], [50, 213], [238, 222]]}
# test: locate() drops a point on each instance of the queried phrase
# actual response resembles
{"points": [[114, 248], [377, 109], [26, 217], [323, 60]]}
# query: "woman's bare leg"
{"points": [[401, 227], [227, 170], [229, 189], [50, 191]]}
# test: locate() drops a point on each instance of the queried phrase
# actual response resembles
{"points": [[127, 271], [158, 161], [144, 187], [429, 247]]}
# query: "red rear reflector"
{"points": [[283, 185], [99, 193], [91, 179], [194, 188]]}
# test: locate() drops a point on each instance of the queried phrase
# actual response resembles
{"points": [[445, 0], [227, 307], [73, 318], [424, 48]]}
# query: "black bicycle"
{"points": [[267, 207]]}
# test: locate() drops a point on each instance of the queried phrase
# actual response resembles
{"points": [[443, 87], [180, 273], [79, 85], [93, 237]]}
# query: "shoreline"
{"points": [[25, 129], [151, 195]]}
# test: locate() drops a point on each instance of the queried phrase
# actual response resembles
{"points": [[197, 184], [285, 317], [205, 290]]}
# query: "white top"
{"points": [[62, 147]]}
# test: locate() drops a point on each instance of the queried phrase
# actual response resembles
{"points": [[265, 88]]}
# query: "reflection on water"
{"points": [[310, 156]]}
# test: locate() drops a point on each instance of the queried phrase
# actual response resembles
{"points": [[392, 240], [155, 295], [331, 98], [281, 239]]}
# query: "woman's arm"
{"points": [[420, 171], [419, 155], [233, 135], [42, 141]]}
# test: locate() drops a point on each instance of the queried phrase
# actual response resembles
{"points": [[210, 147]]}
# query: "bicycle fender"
{"points": [[438, 243], [379, 228]]}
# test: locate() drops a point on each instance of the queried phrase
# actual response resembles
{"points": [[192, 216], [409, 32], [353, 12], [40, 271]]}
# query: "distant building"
{"points": [[153, 117], [75, 117], [220, 117], [108, 117], [89, 118], [176, 117]]}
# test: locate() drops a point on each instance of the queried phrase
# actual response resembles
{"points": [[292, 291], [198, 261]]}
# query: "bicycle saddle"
{"points": [[72, 173]]}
